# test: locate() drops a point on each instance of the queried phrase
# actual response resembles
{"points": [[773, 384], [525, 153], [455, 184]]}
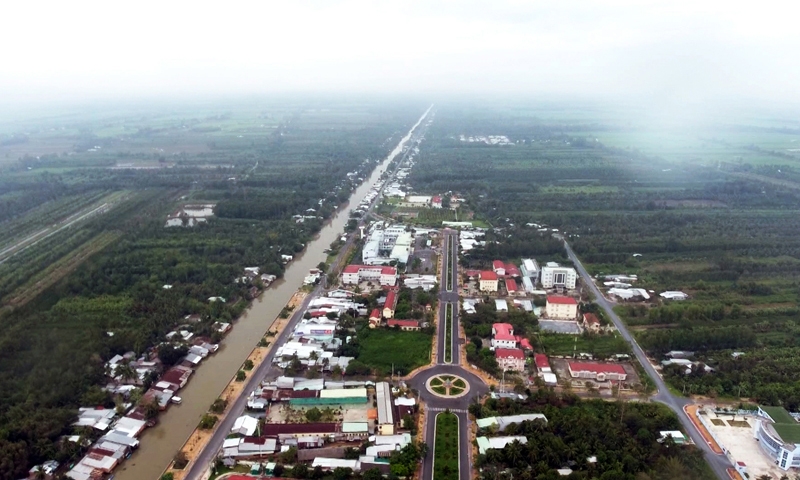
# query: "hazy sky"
{"points": [[670, 51]]}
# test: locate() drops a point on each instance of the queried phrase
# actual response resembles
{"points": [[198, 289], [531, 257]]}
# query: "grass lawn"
{"points": [[445, 450], [381, 347], [601, 346]]}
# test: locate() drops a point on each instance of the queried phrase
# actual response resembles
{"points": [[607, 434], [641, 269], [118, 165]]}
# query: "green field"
{"points": [[446, 447], [600, 346], [382, 348]]}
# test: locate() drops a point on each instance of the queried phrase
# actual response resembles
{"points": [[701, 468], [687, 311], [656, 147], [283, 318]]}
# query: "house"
{"points": [[597, 371], [510, 359], [486, 443], [383, 395], [511, 286], [503, 336], [354, 274], [405, 325], [296, 430], [502, 422], [591, 322], [542, 363], [391, 302], [561, 308], [436, 201], [512, 271], [177, 375], [487, 281], [245, 426], [499, 268], [374, 318], [554, 276], [674, 295], [500, 305]]}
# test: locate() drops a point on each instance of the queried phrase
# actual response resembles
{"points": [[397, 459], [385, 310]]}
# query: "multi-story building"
{"points": [[503, 336], [561, 308], [510, 359], [354, 274], [488, 281], [597, 371], [554, 276], [778, 434]]}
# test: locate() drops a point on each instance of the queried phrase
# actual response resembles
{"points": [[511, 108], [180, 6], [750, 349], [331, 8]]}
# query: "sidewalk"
{"points": [[691, 412]]}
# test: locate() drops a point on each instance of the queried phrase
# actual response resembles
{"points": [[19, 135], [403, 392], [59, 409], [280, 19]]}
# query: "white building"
{"points": [[558, 277], [561, 308], [530, 268], [485, 443], [354, 274], [488, 281], [778, 435], [383, 394]]}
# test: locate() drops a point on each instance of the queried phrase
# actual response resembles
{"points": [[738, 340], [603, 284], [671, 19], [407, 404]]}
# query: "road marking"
{"points": [[453, 410]]}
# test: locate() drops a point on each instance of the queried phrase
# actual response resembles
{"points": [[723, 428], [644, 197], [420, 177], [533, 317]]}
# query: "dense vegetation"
{"points": [[446, 448], [260, 165], [622, 436]]}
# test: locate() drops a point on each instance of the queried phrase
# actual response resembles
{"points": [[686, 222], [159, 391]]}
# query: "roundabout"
{"points": [[447, 386]]}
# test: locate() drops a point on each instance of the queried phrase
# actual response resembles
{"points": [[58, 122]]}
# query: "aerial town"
{"points": [[327, 390]]}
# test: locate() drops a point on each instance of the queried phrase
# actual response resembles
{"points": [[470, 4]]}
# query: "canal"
{"points": [[160, 443]]}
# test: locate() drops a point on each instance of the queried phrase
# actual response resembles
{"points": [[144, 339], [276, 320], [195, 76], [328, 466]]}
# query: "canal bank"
{"points": [[160, 443]]}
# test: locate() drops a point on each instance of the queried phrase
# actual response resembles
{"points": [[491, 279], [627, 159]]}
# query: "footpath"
{"points": [[199, 438]]}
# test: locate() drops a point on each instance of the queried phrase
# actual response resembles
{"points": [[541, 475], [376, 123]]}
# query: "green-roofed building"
{"points": [[778, 433]]}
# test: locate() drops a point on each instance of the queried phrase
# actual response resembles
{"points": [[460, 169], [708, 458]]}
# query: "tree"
{"points": [[180, 461], [300, 470], [240, 376], [171, 354], [289, 456], [151, 409], [313, 415], [248, 364], [336, 372], [207, 422], [372, 474], [219, 405], [167, 476]]}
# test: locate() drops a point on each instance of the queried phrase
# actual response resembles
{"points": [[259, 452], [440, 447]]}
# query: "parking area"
{"points": [[735, 434], [560, 326]]}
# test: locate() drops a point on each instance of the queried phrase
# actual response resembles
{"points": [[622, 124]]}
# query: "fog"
{"points": [[664, 53]]}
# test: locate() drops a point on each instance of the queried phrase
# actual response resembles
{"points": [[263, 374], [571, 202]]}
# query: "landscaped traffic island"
{"points": [[451, 386], [445, 447]]}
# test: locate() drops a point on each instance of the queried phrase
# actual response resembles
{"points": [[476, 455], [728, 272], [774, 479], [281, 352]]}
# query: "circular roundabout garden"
{"points": [[447, 386]]}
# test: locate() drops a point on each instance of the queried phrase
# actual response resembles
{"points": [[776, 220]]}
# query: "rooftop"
{"points": [[509, 353], [541, 360], [488, 275], [558, 299], [358, 268], [596, 367]]}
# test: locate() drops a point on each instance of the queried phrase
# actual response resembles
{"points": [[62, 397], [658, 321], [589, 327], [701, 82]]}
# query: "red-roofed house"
{"points": [[407, 325], [488, 281], [374, 318], [391, 302], [525, 344], [512, 271], [591, 322], [561, 308], [436, 201], [510, 359], [503, 336], [353, 274], [542, 363], [597, 371], [511, 286], [499, 268]]}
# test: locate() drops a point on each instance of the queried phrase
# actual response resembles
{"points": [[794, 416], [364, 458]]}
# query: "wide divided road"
{"points": [[719, 463], [448, 298]]}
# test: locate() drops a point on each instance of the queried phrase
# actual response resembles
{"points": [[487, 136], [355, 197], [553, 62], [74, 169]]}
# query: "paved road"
{"points": [[719, 463], [448, 295], [209, 453]]}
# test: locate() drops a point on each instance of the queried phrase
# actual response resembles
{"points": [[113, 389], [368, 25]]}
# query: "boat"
{"points": [[176, 400]]}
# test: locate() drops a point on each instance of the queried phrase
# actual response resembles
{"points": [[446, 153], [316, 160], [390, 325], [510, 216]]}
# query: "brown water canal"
{"points": [[160, 444]]}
